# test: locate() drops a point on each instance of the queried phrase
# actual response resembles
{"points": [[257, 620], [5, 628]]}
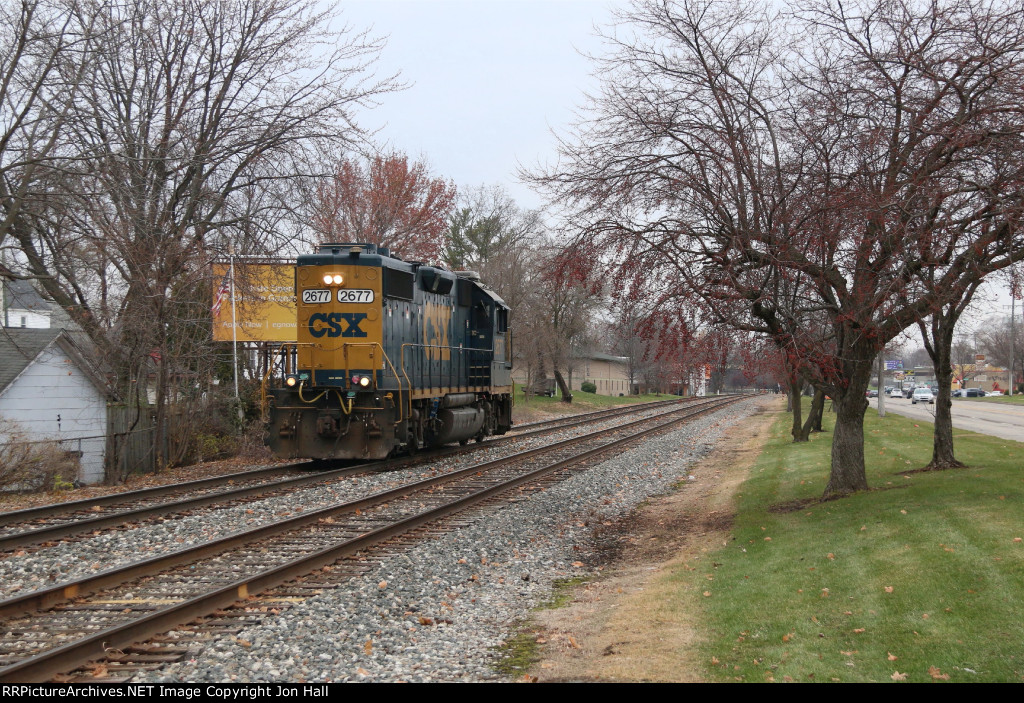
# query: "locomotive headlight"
{"points": [[337, 279]]}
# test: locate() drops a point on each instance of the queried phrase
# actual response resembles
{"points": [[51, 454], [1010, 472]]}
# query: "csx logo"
{"points": [[329, 324], [436, 320]]}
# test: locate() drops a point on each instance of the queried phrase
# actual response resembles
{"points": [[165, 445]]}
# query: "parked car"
{"points": [[974, 393], [956, 393], [994, 393], [871, 393], [922, 394]]}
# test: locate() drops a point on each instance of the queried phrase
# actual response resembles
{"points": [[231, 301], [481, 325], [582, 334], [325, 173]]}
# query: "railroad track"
{"points": [[52, 631], [47, 524]]}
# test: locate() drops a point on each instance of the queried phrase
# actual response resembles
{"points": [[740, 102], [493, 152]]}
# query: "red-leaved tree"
{"points": [[388, 201]]}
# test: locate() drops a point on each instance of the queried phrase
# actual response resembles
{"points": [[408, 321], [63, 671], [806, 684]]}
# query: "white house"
{"points": [[23, 307], [52, 393]]}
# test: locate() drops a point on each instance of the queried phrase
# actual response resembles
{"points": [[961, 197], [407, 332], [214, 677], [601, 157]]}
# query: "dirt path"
{"points": [[631, 625]]}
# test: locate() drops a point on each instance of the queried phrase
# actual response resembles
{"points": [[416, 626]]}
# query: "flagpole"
{"points": [[234, 323]]}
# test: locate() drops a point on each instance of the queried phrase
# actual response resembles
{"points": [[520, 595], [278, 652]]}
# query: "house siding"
{"points": [[53, 386]]}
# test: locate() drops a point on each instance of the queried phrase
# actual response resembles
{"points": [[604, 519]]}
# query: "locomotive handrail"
{"points": [[344, 347], [394, 371], [460, 349], [278, 352]]}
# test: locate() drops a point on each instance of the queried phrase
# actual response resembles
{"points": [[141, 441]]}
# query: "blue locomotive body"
{"points": [[390, 354]]}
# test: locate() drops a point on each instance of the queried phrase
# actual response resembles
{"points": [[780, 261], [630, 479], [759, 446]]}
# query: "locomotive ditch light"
{"points": [[291, 381], [364, 381]]}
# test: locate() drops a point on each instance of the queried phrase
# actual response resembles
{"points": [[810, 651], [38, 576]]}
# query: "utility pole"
{"points": [[881, 383]]}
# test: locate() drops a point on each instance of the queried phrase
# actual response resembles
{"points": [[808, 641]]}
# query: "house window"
{"points": [[24, 321]]}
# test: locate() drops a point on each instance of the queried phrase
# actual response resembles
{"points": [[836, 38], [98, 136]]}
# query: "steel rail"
{"points": [[43, 511], [48, 597], [65, 529], [63, 658]]}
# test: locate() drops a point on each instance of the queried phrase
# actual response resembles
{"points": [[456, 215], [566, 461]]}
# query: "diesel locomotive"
{"points": [[391, 355]]}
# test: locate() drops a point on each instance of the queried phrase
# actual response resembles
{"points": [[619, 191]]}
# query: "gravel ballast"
{"points": [[30, 570], [439, 610]]}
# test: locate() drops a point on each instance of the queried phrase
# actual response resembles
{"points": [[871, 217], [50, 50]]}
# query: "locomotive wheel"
{"points": [[463, 442]]}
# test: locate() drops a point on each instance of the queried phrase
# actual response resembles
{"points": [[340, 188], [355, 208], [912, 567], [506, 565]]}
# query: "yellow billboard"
{"points": [[264, 302]]}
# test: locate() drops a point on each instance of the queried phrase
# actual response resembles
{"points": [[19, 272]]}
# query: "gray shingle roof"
{"points": [[24, 296], [18, 348]]}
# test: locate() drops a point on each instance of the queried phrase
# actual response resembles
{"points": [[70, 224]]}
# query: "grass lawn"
{"points": [[920, 579]]}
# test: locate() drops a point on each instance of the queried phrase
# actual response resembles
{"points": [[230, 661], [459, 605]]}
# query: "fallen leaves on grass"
{"points": [[897, 676]]}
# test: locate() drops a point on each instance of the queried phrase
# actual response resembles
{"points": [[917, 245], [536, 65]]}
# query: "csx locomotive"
{"points": [[390, 355]]}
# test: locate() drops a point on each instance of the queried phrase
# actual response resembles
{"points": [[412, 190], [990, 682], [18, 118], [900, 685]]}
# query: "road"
{"points": [[1006, 421]]}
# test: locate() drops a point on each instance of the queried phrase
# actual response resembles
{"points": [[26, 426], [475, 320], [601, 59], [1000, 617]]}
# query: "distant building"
{"points": [[23, 307], [964, 376], [609, 373]]}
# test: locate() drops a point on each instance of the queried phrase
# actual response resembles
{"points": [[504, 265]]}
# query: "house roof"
{"points": [[600, 356], [20, 347], [24, 296]]}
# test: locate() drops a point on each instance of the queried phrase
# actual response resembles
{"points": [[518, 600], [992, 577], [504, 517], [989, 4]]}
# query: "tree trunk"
{"points": [[813, 422], [848, 473], [563, 387], [818, 411], [942, 444], [794, 404]]}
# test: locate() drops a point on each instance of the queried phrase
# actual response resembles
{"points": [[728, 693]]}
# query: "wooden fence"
{"points": [[132, 440]]}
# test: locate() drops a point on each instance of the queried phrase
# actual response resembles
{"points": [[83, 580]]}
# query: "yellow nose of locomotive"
{"points": [[339, 322]]}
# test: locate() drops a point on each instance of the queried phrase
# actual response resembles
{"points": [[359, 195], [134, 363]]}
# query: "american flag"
{"points": [[222, 293]]}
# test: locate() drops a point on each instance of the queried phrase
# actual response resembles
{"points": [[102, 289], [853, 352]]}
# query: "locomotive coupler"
{"points": [[328, 425]]}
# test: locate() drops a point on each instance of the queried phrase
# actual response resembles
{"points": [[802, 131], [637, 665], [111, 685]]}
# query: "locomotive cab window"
{"points": [[481, 315], [398, 284], [502, 320]]}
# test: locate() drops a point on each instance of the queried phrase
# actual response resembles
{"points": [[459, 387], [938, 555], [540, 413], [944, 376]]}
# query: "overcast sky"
{"points": [[488, 79]]}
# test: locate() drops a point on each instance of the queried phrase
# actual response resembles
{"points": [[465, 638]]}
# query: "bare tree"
{"points": [[849, 147], [998, 336], [191, 120]]}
